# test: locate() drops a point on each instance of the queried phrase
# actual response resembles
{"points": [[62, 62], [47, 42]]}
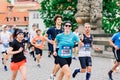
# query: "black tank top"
{"points": [[87, 40]]}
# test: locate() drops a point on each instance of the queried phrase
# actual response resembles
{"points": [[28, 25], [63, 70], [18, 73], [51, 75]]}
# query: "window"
{"points": [[36, 25], [36, 16], [16, 18], [8, 19], [26, 18]]}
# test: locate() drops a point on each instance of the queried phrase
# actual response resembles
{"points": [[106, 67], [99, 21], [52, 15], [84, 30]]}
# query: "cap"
{"points": [[3, 26], [19, 31], [67, 22]]}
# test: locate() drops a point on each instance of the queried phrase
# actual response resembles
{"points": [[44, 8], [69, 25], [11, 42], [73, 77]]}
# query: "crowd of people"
{"points": [[63, 44]]}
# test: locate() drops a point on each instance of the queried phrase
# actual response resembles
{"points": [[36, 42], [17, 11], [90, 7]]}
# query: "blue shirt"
{"points": [[66, 43], [52, 32], [116, 39]]}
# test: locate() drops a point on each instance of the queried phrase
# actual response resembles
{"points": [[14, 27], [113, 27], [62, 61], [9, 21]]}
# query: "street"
{"points": [[100, 68]]}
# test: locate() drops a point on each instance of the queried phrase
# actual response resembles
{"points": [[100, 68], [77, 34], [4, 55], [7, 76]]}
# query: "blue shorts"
{"points": [[85, 62], [50, 47]]}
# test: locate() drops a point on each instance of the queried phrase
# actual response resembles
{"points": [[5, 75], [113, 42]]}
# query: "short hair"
{"points": [[38, 30], [34, 25], [57, 16], [86, 24]]}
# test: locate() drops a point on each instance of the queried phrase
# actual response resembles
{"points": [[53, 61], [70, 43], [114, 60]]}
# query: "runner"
{"points": [[32, 35], [85, 53], [65, 42], [75, 48], [53, 31], [26, 39], [50, 47], [5, 38], [39, 41], [115, 42], [18, 60]]}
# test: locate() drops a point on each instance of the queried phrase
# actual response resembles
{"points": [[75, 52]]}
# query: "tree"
{"points": [[111, 16], [9, 1], [66, 8]]}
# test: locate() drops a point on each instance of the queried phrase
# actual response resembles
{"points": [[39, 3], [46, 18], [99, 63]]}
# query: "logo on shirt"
{"points": [[38, 41]]}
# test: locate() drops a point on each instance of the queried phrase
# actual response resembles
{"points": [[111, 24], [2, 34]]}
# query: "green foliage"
{"points": [[111, 16], [66, 8], [9, 1]]}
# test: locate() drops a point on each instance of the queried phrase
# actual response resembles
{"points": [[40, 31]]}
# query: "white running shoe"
{"points": [[52, 77]]}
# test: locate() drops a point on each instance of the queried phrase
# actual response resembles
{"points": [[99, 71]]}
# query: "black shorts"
{"points": [[85, 62], [31, 45], [4, 52], [117, 55], [75, 44], [64, 61], [38, 51]]}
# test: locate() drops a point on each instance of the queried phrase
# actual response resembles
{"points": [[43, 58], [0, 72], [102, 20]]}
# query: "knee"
{"points": [[89, 70], [83, 70], [68, 75]]}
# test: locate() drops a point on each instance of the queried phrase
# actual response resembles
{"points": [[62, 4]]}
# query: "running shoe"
{"points": [[38, 65], [5, 68], [49, 55], [52, 77], [75, 72], [34, 59], [74, 58], [2, 60]]}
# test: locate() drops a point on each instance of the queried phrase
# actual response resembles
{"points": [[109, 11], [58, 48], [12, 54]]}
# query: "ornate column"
{"points": [[96, 13], [83, 13], [89, 11]]}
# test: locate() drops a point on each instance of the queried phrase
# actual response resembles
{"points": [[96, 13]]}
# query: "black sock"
{"points": [[110, 71], [88, 74], [110, 74]]}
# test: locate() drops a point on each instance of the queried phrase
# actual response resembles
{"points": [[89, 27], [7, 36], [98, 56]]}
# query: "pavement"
{"points": [[101, 66]]}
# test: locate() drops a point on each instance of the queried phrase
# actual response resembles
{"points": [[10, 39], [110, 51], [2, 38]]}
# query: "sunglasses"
{"points": [[67, 25]]}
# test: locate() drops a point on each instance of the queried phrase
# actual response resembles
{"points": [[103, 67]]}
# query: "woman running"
{"points": [[65, 42], [18, 60]]}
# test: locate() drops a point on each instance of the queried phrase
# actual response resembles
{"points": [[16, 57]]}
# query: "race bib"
{"points": [[66, 51], [87, 47], [38, 41]]}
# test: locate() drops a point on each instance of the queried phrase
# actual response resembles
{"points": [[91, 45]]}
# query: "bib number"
{"points": [[87, 47], [66, 50]]}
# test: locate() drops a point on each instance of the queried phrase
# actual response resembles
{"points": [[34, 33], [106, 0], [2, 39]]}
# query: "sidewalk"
{"points": [[100, 68]]}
